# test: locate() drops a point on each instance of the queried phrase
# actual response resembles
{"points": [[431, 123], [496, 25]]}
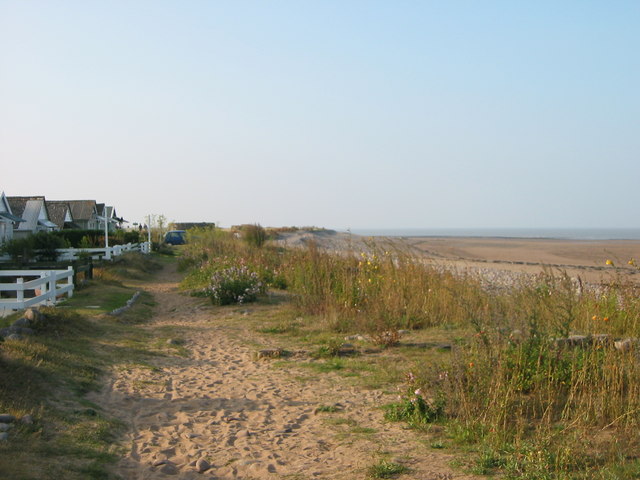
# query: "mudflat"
{"points": [[584, 258]]}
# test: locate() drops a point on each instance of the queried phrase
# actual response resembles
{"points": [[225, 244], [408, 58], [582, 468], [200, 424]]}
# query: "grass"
{"points": [[386, 469], [483, 363], [49, 374]]}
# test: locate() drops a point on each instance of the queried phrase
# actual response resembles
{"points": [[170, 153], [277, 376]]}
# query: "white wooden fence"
{"points": [[103, 253], [65, 254], [33, 287]]}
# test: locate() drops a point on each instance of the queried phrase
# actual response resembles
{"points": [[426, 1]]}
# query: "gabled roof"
{"points": [[27, 209], [18, 204], [58, 212], [81, 209], [31, 213]]}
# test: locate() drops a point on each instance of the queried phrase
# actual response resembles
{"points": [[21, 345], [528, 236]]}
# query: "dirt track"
{"points": [[245, 417]]}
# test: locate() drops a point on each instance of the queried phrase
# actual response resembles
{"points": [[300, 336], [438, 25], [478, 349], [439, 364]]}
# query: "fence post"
{"points": [[51, 287], [20, 290], [70, 280]]}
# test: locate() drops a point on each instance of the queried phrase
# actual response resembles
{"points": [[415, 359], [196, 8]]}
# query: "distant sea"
{"points": [[552, 233]]}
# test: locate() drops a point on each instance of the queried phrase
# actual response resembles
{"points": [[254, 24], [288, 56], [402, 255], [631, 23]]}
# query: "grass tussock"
{"points": [[533, 404]]}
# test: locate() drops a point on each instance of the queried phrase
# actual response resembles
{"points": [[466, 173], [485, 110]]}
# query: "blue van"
{"points": [[175, 237]]}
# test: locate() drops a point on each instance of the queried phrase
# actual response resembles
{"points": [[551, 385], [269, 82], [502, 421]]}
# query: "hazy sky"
{"points": [[331, 113]]}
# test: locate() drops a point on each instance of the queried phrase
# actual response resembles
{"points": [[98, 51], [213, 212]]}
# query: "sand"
{"points": [[245, 417], [583, 258]]}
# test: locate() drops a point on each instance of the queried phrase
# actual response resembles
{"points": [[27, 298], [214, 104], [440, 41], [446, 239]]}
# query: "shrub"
{"points": [[234, 285], [47, 244], [20, 249], [254, 235]]}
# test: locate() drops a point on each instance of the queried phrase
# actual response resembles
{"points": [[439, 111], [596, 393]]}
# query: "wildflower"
{"points": [[632, 262], [595, 317], [606, 319], [609, 262], [470, 364], [418, 392]]}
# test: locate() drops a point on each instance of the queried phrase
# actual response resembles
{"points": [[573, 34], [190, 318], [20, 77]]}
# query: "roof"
{"points": [[11, 217], [18, 204], [58, 211], [81, 209]]}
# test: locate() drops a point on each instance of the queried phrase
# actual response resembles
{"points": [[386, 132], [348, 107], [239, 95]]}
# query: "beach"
{"points": [[586, 259]]}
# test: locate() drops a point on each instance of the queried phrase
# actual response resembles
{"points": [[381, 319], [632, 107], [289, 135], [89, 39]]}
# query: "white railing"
{"points": [[65, 254], [45, 288], [103, 253]]}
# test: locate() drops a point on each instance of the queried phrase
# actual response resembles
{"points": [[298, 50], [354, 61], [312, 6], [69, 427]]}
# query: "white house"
{"points": [[33, 211], [8, 221]]}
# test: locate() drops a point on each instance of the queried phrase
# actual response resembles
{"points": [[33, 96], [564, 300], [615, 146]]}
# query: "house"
{"points": [[110, 214], [60, 214], [8, 221], [84, 213], [33, 211]]}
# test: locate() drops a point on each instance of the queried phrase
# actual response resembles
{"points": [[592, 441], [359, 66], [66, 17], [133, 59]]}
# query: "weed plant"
{"points": [[540, 404]]}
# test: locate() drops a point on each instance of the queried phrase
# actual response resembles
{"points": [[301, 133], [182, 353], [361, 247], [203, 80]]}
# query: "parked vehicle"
{"points": [[175, 237]]}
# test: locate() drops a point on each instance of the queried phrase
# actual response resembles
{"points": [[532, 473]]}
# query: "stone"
{"points": [[202, 465], [14, 336], [4, 436], [625, 345], [27, 419], [270, 353], [173, 341], [22, 322], [25, 331], [7, 418], [404, 332], [5, 426], [169, 469], [602, 339], [34, 315]]}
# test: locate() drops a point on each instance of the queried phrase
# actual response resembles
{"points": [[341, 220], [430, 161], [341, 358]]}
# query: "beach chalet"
{"points": [[60, 214], [33, 210], [8, 221], [84, 213], [108, 212]]}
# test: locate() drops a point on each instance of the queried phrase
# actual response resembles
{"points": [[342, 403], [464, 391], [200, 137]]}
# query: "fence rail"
{"points": [[43, 287], [103, 253], [66, 254]]}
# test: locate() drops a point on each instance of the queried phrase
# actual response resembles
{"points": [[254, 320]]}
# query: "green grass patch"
{"points": [[386, 469]]}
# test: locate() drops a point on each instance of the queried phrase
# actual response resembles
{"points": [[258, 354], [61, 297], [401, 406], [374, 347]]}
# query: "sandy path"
{"points": [[245, 417]]}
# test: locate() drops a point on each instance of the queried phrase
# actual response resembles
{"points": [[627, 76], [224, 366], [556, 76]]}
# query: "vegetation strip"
{"points": [[513, 387]]}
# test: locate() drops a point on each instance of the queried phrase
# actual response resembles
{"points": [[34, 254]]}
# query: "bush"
{"points": [[20, 249], [47, 244], [254, 235], [234, 285]]}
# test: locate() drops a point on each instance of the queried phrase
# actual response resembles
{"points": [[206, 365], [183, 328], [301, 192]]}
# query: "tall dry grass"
{"points": [[542, 406]]}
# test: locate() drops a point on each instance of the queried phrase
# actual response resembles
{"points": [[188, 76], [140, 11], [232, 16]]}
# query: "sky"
{"points": [[334, 113]]}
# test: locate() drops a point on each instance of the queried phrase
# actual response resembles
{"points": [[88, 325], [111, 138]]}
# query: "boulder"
{"points": [[7, 418], [22, 322]]}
